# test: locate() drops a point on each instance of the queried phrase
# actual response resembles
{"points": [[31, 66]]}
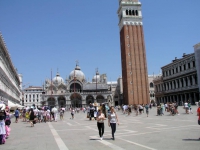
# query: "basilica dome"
{"points": [[58, 80], [96, 78], [77, 73]]}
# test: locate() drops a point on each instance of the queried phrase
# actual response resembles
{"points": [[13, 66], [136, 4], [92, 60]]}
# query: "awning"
{"points": [[19, 106], [13, 106]]}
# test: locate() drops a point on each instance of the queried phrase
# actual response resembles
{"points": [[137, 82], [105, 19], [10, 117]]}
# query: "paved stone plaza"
{"points": [[138, 133]]}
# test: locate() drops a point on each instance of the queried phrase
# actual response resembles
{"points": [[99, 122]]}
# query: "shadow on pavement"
{"points": [[99, 139], [191, 139]]}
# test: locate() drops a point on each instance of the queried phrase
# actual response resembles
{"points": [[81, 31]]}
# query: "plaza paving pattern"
{"points": [[134, 133]]}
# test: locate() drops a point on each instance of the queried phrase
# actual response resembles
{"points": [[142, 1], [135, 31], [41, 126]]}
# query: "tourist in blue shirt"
{"points": [[16, 115]]}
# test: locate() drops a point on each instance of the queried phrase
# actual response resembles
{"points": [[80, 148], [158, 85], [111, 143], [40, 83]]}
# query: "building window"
{"points": [[151, 85], [188, 65], [184, 67], [176, 70], [180, 68], [136, 12], [126, 12], [133, 12], [26, 96], [193, 63], [130, 12], [26, 100], [29, 100]]}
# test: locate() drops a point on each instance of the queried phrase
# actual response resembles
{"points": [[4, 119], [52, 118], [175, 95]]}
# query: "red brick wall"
{"points": [[138, 91]]}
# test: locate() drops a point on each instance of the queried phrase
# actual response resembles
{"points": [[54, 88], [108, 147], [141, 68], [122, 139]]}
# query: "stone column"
{"points": [[190, 98], [181, 103], [56, 102], [174, 98], [95, 100], [193, 80], [195, 98], [184, 82], [188, 81], [185, 97], [180, 84]]}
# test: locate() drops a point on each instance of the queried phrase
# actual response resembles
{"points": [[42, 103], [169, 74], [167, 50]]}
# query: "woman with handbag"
{"points": [[32, 117]]}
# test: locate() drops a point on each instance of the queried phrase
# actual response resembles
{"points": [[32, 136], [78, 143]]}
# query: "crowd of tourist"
{"points": [[100, 112]]}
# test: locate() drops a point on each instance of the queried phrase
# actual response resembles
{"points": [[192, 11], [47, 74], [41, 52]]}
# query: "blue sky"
{"points": [[45, 34]]}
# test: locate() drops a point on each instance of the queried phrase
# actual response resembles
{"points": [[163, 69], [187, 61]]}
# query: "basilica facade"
{"points": [[76, 91]]}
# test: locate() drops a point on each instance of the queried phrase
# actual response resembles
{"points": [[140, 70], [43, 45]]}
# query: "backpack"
{"points": [[7, 120], [189, 105]]}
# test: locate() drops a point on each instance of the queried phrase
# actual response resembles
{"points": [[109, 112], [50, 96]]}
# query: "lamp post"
{"points": [[96, 82]]}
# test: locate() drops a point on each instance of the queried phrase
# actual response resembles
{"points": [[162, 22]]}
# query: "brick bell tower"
{"points": [[133, 53]]}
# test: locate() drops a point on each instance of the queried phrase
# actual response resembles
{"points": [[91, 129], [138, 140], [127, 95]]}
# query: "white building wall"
{"points": [[30, 96], [13, 89], [197, 60]]}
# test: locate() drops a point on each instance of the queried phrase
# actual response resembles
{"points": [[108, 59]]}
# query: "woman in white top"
{"points": [[100, 123], [186, 107], [112, 120]]}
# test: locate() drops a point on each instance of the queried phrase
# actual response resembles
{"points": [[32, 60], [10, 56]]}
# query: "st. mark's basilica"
{"points": [[76, 91]]}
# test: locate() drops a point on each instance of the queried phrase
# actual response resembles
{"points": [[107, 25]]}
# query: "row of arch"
{"points": [[76, 100], [132, 12], [177, 83]]}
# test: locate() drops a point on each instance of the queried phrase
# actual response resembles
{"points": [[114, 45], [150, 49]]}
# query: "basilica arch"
{"points": [[100, 99], [76, 100], [61, 101], [51, 102], [75, 85], [89, 99]]}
